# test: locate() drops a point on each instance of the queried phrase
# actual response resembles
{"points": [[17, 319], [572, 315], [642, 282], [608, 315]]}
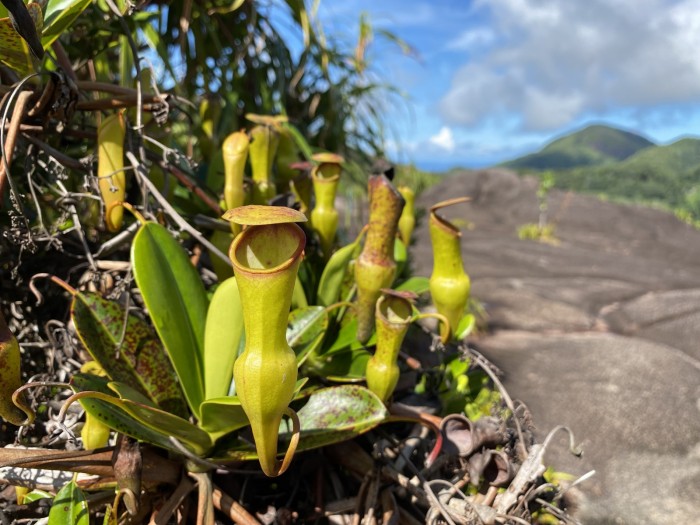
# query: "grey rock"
{"points": [[600, 332]]}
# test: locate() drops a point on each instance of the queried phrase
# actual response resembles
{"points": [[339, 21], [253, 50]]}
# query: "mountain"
{"points": [[592, 146], [622, 166], [666, 175]]}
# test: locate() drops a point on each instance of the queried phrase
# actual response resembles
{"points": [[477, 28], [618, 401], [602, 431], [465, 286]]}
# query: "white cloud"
{"points": [[443, 139], [550, 62], [472, 39]]}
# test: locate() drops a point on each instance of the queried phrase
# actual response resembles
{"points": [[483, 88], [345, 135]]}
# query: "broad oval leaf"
{"points": [[177, 303], [222, 337], [330, 416], [305, 330], [139, 361], [339, 413], [334, 273], [69, 507], [140, 421]]}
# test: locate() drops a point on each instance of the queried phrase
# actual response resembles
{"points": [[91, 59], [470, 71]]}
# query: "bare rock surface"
{"points": [[600, 332]]}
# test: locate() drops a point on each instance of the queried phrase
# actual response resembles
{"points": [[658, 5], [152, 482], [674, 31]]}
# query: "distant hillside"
{"points": [[593, 146], [667, 175], [623, 166]]}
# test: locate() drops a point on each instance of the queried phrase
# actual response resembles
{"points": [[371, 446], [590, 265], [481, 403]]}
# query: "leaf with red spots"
{"points": [[14, 50], [177, 304], [135, 418], [330, 416], [137, 359], [69, 507]]}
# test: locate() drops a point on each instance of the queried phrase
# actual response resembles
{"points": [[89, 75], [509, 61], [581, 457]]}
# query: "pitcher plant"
{"points": [[10, 376], [263, 148], [301, 185], [287, 155], [235, 154], [394, 314], [111, 178], [407, 222], [449, 283], [375, 267], [266, 257], [324, 216]]}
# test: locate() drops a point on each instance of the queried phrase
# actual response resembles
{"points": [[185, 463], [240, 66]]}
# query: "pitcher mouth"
{"points": [[441, 221], [267, 249], [394, 310]]}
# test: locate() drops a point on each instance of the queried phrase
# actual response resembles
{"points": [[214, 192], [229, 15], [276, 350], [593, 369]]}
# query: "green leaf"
{"points": [[222, 337], [334, 273], [400, 255], [158, 45], [58, 16], [177, 303], [140, 360], [302, 18], [126, 392], [223, 415], [417, 285], [222, 240], [347, 338], [227, 9], [14, 51], [24, 23], [406, 48], [126, 63], [305, 330], [140, 421], [346, 366], [110, 516], [69, 507], [330, 416], [298, 296], [465, 327], [299, 140], [35, 495], [339, 413]]}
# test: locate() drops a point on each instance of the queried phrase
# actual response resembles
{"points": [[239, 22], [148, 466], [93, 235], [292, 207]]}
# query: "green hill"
{"points": [[622, 166], [666, 175], [592, 146]]}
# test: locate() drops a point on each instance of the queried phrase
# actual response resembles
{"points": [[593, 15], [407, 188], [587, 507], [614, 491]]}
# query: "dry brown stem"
{"points": [[232, 508]]}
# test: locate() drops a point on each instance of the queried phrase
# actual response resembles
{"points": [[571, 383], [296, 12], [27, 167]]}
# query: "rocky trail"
{"points": [[600, 332]]}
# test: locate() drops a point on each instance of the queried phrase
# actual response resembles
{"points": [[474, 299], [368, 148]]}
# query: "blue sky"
{"points": [[494, 79]]}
